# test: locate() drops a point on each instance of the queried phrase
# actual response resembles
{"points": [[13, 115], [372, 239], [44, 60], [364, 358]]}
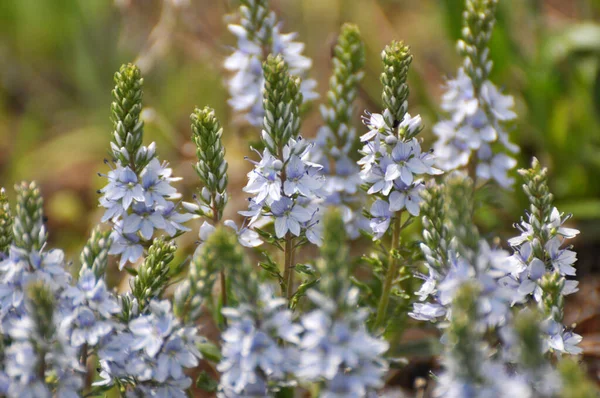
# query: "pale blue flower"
{"points": [[246, 85], [381, 217], [156, 178], [173, 358], [289, 216], [85, 328], [264, 180], [123, 186], [128, 246], [150, 331], [251, 350], [337, 348]]}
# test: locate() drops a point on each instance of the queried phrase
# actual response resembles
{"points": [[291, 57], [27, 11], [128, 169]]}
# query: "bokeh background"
{"points": [[57, 59]]}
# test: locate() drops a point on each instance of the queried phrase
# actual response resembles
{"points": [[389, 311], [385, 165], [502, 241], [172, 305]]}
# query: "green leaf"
{"points": [[305, 269], [301, 292], [206, 383], [209, 351], [131, 271], [271, 267]]}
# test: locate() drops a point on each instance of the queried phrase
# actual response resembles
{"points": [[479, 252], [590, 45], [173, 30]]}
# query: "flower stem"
{"points": [[84, 361], [288, 274], [391, 274], [222, 277]]}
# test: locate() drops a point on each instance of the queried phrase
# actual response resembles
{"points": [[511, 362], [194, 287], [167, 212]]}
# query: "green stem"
{"points": [[288, 274], [84, 361], [222, 275], [392, 272]]}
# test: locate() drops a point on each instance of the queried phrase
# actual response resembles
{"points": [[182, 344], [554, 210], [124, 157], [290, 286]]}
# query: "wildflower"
{"points": [[251, 352], [258, 34], [138, 197], [474, 132], [288, 217]]}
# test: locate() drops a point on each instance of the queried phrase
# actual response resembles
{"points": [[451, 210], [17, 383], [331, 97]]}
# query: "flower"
{"points": [[336, 347], [85, 328], [150, 331], [251, 354], [256, 37], [264, 180], [289, 216], [381, 217]]}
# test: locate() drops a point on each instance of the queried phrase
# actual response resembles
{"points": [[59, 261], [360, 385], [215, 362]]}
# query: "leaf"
{"points": [[301, 292], [271, 267], [206, 383], [209, 351], [131, 271], [305, 269]]}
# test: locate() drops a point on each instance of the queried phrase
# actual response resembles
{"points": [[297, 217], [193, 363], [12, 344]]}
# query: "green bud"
{"points": [[257, 19], [348, 62], [460, 216], [94, 255], [153, 275], [478, 22], [396, 59], [41, 308], [530, 347], [435, 232], [464, 339], [28, 229], [220, 252], [211, 167], [281, 101], [540, 198], [125, 114], [6, 224], [335, 260], [553, 302]]}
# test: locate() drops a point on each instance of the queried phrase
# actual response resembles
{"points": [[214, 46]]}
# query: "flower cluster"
{"points": [[284, 182], [27, 259], [337, 348], [465, 258], [258, 35], [253, 358], [153, 350], [468, 369], [329, 345], [138, 196], [336, 141], [541, 262], [475, 135], [392, 157], [39, 350]]}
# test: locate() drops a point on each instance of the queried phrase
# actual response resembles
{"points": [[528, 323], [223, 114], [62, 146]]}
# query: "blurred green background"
{"points": [[57, 59]]}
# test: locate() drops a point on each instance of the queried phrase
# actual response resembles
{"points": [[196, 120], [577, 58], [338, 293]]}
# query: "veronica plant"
{"points": [[455, 253], [336, 141], [68, 333], [469, 370], [284, 182], [336, 348], [258, 35], [393, 161], [138, 196], [541, 262], [475, 135]]}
